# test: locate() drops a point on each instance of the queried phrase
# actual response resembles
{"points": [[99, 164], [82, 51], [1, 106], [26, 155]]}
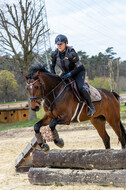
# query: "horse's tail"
{"points": [[121, 125], [123, 131], [116, 95]]}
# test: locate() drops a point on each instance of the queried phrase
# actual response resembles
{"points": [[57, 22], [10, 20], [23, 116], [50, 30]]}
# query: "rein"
{"points": [[41, 96], [53, 92]]}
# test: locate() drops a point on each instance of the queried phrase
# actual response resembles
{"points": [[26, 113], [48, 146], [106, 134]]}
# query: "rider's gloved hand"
{"points": [[66, 76]]}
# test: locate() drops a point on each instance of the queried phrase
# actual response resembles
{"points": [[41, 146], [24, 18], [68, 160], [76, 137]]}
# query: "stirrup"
{"points": [[91, 111]]}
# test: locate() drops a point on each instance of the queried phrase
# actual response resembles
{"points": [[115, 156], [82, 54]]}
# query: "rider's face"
{"points": [[61, 47]]}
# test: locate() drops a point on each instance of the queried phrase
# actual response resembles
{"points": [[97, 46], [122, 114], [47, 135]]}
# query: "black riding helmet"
{"points": [[61, 39]]}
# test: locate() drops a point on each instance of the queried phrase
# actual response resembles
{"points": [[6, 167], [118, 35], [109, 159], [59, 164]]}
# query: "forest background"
{"points": [[21, 34], [99, 73]]}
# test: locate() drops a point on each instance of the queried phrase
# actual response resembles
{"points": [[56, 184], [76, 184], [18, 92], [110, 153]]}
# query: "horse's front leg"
{"points": [[59, 120], [43, 122]]}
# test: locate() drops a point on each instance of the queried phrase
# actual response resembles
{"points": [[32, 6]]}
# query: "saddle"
{"points": [[94, 93]]}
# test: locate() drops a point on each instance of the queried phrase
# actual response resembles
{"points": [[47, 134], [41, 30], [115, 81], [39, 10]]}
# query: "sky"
{"points": [[90, 25]]}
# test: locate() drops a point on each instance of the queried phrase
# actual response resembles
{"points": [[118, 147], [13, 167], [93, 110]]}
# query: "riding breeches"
{"points": [[79, 78], [82, 88]]}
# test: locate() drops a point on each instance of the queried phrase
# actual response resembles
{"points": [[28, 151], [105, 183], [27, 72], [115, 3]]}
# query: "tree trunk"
{"points": [[32, 114], [92, 159]]}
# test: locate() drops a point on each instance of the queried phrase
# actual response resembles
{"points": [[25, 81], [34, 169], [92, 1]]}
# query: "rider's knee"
{"points": [[53, 124], [84, 88]]}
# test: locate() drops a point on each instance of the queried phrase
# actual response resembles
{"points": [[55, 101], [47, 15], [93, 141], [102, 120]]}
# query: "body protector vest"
{"points": [[68, 61], [64, 63]]}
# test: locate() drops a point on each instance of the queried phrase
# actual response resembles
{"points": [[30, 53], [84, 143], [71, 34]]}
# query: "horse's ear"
{"points": [[24, 75], [37, 74]]}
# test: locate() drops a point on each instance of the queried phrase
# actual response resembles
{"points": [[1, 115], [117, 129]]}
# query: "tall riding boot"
{"points": [[86, 96]]}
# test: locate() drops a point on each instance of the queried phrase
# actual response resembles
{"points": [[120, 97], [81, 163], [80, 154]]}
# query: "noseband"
{"points": [[33, 98]]}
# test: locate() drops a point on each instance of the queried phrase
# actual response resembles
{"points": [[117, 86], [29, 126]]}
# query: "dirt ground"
{"points": [[12, 143]]}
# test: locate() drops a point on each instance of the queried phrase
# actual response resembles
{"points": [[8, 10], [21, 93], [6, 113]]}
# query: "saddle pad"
{"points": [[94, 93]]}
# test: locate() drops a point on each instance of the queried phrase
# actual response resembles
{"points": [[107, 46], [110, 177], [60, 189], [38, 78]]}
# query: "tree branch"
{"points": [[24, 28]]}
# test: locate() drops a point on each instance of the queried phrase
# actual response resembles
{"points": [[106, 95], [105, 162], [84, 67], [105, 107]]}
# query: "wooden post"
{"points": [[118, 69], [111, 75], [24, 161]]}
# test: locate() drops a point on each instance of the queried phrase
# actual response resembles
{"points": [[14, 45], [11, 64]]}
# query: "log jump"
{"points": [[69, 167], [103, 167], [92, 159]]}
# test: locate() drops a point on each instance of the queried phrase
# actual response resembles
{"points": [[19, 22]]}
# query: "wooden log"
{"points": [[92, 159], [49, 176]]}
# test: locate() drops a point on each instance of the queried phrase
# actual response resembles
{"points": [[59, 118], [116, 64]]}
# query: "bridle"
{"points": [[42, 96], [33, 98]]}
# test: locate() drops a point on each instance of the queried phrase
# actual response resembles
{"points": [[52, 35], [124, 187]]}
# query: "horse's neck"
{"points": [[49, 81], [54, 87]]}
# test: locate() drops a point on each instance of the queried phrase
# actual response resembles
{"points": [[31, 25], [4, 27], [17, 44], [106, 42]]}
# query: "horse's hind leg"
{"points": [[99, 124], [115, 124]]}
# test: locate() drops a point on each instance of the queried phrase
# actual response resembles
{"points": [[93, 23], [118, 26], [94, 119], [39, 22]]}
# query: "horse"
{"points": [[60, 104]]}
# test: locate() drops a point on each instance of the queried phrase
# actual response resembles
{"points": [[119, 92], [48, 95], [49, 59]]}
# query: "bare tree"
{"points": [[20, 31]]}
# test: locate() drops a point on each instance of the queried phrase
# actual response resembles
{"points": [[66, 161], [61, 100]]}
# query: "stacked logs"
{"points": [[103, 167]]}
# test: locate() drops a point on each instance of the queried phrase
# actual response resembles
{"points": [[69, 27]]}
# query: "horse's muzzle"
{"points": [[36, 108]]}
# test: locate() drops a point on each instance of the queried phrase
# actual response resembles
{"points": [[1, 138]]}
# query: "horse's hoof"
{"points": [[45, 148], [60, 143]]}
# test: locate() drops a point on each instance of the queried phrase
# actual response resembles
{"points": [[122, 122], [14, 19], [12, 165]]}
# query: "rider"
{"points": [[67, 59]]}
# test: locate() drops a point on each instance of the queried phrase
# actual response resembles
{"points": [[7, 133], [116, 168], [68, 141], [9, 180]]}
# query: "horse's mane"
{"points": [[38, 67], [34, 68]]}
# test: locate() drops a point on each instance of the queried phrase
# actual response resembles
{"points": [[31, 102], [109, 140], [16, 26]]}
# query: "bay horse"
{"points": [[60, 104]]}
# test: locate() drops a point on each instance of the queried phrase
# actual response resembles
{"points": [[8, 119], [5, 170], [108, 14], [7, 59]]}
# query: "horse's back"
{"points": [[110, 103], [109, 94]]}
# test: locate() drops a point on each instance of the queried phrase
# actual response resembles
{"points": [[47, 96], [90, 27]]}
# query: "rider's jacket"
{"points": [[68, 61]]}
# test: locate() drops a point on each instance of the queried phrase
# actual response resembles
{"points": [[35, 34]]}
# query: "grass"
{"points": [[123, 92], [13, 102], [57, 184], [122, 107], [123, 115], [18, 124]]}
